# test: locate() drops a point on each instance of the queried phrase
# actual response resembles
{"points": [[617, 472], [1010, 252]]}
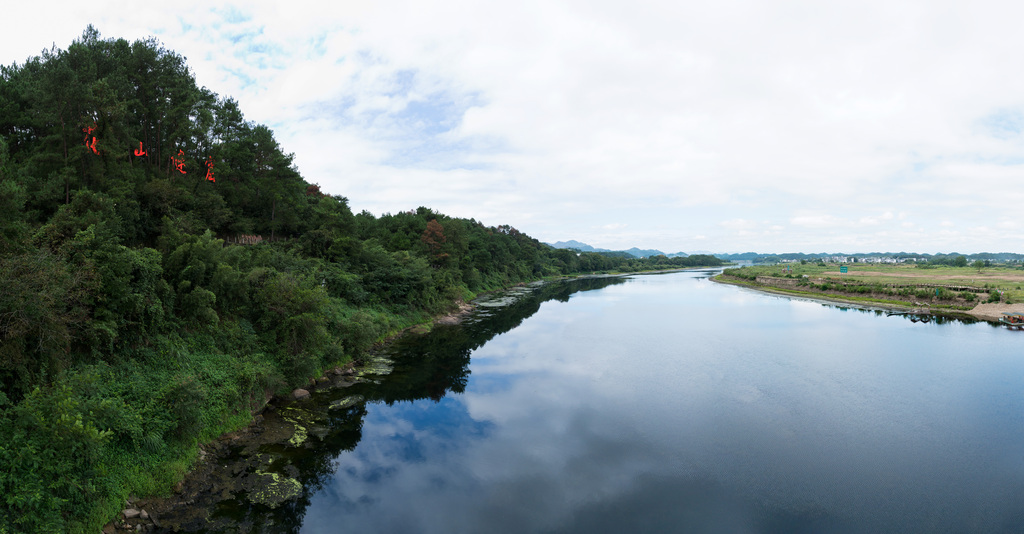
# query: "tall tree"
{"points": [[433, 238]]}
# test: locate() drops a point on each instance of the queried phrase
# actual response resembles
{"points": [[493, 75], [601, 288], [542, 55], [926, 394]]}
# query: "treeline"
{"points": [[164, 269]]}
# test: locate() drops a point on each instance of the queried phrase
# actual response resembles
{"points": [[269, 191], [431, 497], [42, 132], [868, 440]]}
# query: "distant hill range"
{"points": [[636, 252], [760, 257]]}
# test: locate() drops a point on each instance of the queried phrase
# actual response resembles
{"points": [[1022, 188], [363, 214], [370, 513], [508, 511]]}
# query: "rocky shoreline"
{"points": [[219, 472]]}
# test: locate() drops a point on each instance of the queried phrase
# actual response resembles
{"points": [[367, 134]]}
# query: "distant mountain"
{"points": [[645, 253], [636, 252], [582, 247]]}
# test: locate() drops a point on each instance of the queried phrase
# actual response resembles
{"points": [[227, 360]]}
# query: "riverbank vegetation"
{"points": [[164, 269], [912, 285]]}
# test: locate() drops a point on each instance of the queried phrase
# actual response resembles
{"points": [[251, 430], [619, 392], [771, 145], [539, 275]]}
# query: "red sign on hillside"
{"points": [[90, 139], [209, 169], [179, 162]]}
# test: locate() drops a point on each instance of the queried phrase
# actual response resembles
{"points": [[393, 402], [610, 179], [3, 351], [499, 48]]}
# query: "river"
{"points": [[666, 403]]}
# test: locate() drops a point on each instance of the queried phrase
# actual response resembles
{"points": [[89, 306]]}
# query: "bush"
{"points": [[183, 401], [51, 456]]}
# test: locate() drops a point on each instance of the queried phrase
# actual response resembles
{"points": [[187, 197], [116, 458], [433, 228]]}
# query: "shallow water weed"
{"points": [[272, 489]]}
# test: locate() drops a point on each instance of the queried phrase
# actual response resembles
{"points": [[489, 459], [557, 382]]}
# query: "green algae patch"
{"points": [[347, 402], [375, 365], [272, 489], [299, 419], [299, 437]]}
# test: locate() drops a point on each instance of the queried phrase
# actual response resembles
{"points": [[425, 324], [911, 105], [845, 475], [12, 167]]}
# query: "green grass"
{"points": [[900, 275]]}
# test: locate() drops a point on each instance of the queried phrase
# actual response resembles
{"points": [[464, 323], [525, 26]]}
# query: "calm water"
{"points": [[669, 403]]}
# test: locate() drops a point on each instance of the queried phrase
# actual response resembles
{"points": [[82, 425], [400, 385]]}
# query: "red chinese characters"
{"points": [[179, 162], [209, 169], [90, 139]]}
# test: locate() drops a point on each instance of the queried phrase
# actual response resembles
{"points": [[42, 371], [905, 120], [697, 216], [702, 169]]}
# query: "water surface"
{"points": [[669, 403]]}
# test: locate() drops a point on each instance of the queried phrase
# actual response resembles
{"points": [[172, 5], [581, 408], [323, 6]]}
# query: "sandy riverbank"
{"points": [[993, 311]]}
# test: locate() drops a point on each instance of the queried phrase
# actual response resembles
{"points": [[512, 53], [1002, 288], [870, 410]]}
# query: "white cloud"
{"points": [[564, 118], [874, 220], [817, 221], [738, 224]]}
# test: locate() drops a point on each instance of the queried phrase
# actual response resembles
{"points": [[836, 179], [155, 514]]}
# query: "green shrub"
{"points": [[51, 455], [183, 400]]}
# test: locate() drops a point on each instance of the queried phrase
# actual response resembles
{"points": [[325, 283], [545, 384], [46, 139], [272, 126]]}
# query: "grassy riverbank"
{"points": [[146, 307], [980, 292]]}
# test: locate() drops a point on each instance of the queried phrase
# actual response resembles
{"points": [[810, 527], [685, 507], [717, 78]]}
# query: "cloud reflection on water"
{"points": [[570, 425]]}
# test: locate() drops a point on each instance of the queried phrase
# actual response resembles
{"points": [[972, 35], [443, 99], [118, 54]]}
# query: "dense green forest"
{"points": [[165, 269]]}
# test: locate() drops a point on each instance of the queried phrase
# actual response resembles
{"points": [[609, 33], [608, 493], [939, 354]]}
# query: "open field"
{"points": [[945, 273], [984, 293]]}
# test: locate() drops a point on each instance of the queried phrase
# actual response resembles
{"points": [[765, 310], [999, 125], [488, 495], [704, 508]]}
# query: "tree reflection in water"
{"points": [[426, 366]]}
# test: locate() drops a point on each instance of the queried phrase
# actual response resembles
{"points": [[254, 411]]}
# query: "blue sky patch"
{"points": [[1004, 124], [232, 15], [246, 80]]}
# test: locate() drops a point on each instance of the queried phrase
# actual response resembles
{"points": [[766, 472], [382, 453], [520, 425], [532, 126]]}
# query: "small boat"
{"points": [[1012, 319]]}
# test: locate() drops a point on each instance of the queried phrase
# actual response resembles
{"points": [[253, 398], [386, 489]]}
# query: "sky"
{"points": [[728, 126]]}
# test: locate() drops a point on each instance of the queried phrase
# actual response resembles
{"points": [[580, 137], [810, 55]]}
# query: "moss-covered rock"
{"points": [[271, 489]]}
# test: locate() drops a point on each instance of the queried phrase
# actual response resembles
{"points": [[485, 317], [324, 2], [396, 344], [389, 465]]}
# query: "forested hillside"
{"points": [[164, 269]]}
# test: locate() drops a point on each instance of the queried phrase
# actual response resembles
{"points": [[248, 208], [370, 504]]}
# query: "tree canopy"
{"points": [[164, 267]]}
